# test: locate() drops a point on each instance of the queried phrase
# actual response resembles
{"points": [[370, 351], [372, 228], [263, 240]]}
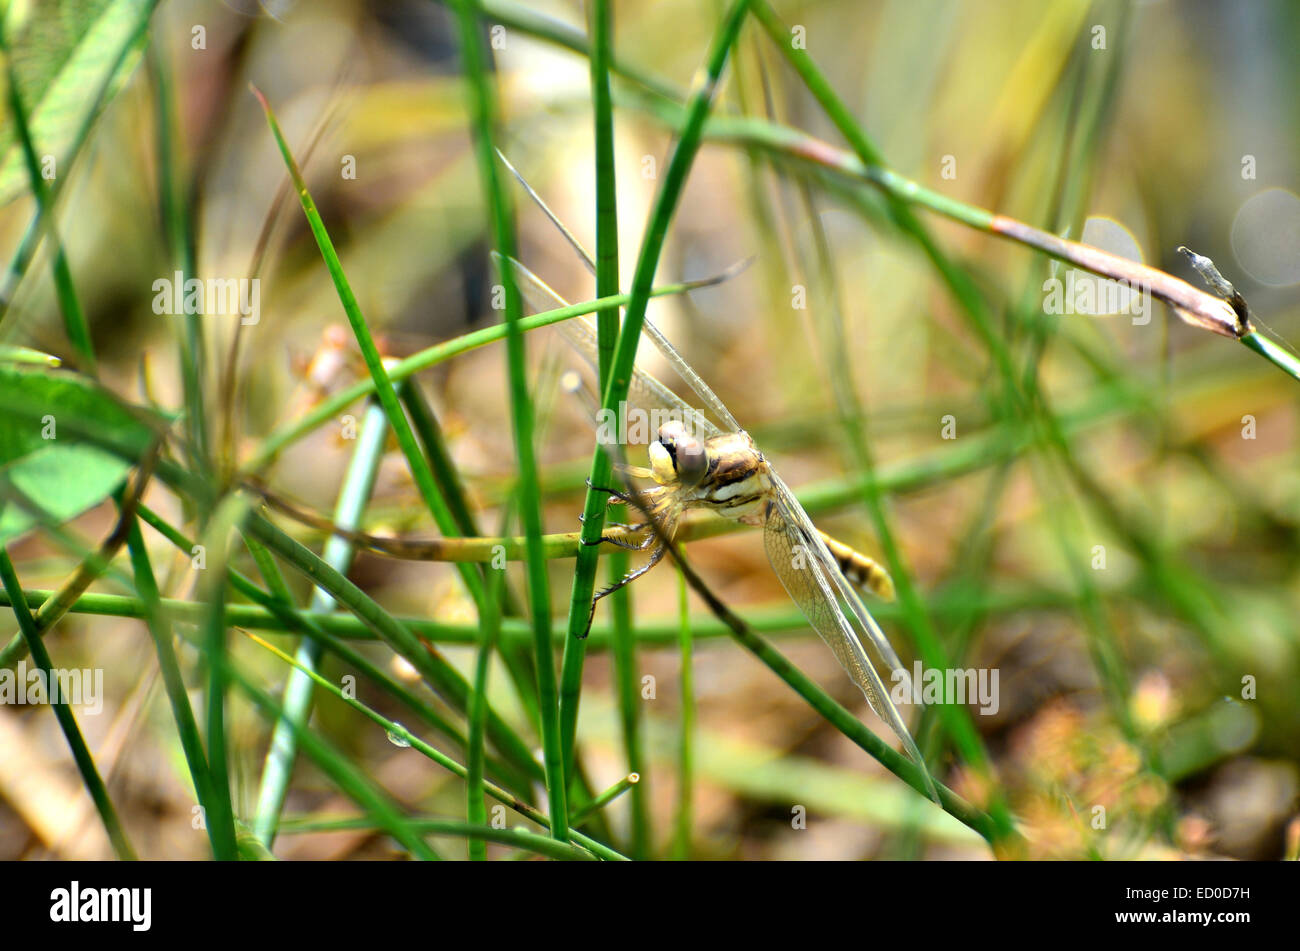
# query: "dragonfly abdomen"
{"points": [[862, 570]]}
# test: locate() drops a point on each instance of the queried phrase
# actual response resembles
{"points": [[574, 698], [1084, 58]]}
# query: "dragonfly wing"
{"points": [[796, 564], [708, 398], [644, 391], [795, 514], [810, 575]]}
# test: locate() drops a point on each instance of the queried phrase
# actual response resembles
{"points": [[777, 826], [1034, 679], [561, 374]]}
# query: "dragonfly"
{"points": [[695, 463]]}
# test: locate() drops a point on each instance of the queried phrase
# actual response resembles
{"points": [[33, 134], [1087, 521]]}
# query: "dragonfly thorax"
{"points": [[730, 475]]}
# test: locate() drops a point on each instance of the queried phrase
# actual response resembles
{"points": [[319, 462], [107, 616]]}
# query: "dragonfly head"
{"points": [[678, 456]]}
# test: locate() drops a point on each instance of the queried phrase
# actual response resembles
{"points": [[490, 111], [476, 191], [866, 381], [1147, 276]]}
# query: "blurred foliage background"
{"points": [[1122, 596]]}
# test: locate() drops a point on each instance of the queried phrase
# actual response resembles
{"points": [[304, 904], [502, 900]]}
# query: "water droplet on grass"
{"points": [[398, 739]]}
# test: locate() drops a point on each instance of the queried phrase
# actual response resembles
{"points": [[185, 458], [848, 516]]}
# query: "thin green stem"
{"points": [[490, 627], [74, 318], [327, 408], [159, 628], [686, 738], [1274, 353], [384, 392], [605, 798], [394, 729], [178, 221], [621, 640], [424, 657], [607, 328], [63, 713], [619, 376], [441, 464], [212, 629], [269, 615], [338, 554], [482, 107], [352, 781]]}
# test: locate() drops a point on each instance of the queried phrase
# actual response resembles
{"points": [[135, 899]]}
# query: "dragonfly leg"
{"points": [[655, 557], [630, 546], [616, 497], [614, 494], [627, 529], [623, 542], [621, 526]]}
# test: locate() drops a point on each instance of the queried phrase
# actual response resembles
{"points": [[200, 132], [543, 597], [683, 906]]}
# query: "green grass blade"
{"points": [[212, 593], [351, 780], [402, 733], [431, 356], [681, 848], [622, 640], [67, 721], [338, 553], [490, 628], [482, 107], [74, 318], [607, 327], [620, 368], [268, 614], [383, 384], [178, 222], [426, 427], [174, 682], [272, 613]]}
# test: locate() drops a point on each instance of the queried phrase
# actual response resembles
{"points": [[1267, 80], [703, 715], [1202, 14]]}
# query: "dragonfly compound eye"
{"points": [[678, 456]]}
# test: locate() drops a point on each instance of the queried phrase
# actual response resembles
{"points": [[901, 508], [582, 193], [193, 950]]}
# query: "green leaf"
{"points": [[64, 52], [65, 445]]}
